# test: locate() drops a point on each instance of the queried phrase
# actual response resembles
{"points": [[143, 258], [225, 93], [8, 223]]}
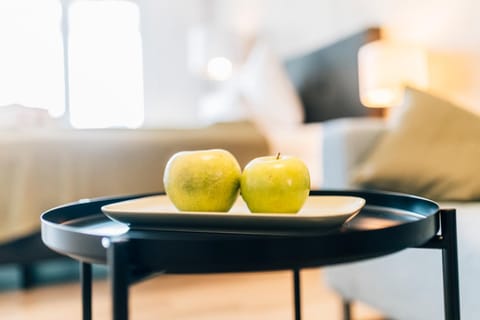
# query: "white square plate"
{"points": [[158, 212]]}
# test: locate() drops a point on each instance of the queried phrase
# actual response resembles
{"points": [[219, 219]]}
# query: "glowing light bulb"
{"points": [[219, 68]]}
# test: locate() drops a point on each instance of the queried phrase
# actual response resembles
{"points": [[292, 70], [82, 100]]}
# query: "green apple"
{"points": [[275, 184], [202, 180]]}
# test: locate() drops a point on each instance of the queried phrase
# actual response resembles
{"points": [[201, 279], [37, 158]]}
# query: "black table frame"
{"points": [[447, 242], [122, 276]]}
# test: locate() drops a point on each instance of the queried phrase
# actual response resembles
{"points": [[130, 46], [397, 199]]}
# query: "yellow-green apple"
{"points": [[202, 180], [275, 184]]}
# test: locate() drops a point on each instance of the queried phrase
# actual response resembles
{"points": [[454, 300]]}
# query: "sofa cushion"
{"points": [[432, 150]]}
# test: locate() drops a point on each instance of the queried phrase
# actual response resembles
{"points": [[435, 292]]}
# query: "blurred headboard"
{"points": [[327, 78]]}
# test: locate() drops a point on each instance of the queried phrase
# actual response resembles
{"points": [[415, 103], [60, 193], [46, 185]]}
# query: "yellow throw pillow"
{"points": [[432, 150]]}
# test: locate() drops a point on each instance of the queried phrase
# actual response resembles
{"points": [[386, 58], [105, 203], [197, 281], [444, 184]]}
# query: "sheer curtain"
{"points": [[31, 55], [102, 54], [105, 64]]}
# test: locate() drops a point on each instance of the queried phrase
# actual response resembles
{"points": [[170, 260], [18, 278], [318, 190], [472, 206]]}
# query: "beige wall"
{"points": [[456, 76], [448, 29]]}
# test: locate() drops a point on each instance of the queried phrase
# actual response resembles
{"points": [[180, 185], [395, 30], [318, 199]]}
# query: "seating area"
{"points": [[380, 100], [421, 151]]}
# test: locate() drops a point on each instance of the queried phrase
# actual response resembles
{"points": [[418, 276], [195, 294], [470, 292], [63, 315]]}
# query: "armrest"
{"points": [[346, 142]]}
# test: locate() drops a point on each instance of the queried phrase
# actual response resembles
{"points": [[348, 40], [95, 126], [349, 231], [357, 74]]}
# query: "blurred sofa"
{"points": [[429, 148]]}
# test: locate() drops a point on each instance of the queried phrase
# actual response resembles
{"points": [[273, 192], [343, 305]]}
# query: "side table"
{"points": [[389, 222]]}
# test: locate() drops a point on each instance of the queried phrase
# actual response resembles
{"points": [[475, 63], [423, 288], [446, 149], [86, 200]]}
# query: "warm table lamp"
{"points": [[385, 69]]}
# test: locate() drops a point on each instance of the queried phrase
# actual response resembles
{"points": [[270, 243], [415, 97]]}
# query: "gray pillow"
{"points": [[327, 79]]}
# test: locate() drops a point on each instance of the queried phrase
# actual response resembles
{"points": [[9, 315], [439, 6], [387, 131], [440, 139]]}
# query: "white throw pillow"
{"points": [[267, 90], [21, 117]]}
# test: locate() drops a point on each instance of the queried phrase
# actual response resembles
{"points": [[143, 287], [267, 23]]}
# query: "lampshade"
{"points": [[385, 68]]}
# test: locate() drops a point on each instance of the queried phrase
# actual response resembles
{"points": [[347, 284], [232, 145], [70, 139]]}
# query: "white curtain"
{"points": [[105, 64], [31, 55], [105, 69]]}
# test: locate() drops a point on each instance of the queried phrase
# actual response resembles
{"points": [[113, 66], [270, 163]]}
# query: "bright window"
{"points": [[104, 60], [31, 55], [105, 64]]}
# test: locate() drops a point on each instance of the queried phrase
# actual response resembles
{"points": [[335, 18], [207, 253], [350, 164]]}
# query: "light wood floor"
{"points": [[252, 296]]}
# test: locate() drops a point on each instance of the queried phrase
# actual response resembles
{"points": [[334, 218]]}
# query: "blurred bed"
{"points": [[41, 169]]}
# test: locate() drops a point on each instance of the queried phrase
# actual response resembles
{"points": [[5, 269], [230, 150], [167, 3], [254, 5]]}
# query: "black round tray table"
{"points": [[389, 222]]}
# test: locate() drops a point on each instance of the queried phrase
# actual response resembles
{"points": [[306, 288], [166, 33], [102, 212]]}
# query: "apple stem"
{"points": [[278, 155]]}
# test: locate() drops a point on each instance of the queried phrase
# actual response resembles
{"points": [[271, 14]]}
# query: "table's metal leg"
{"points": [[296, 292], [447, 242], [347, 309], [26, 275], [117, 256], [451, 291], [86, 284]]}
